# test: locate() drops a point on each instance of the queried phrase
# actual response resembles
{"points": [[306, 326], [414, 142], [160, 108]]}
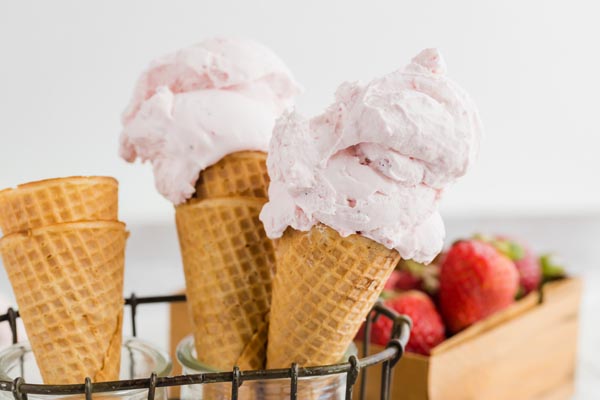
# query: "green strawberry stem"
{"points": [[388, 294], [509, 248], [551, 268]]}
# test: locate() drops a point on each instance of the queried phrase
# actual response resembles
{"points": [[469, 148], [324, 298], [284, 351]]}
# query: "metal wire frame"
{"points": [[352, 368]]}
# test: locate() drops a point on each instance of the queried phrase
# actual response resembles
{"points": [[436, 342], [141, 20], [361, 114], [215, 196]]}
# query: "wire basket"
{"points": [[353, 367]]}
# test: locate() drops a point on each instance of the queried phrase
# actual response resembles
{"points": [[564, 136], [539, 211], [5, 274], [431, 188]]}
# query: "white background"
{"points": [[67, 69]]}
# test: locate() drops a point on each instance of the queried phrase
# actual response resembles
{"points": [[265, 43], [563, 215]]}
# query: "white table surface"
{"points": [[154, 267]]}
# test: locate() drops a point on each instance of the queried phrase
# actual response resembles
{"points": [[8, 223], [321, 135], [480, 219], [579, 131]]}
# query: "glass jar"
{"points": [[138, 360], [329, 387]]}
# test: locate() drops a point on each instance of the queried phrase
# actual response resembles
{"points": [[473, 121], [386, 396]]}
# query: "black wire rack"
{"points": [[353, 367]]}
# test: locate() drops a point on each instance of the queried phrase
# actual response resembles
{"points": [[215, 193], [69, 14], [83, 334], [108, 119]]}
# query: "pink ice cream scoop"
{"points": [[193, 107], [377, 160]]}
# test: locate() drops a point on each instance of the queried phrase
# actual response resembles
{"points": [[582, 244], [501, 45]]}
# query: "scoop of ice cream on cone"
{"points": [[377, 160], [351, 191], [203, 117], [195, 106]]}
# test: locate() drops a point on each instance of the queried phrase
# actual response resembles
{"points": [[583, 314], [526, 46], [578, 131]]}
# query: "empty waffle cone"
{"points": [[68, 281], [52, 201], [238, 174], [324, 288], [228, 263]]}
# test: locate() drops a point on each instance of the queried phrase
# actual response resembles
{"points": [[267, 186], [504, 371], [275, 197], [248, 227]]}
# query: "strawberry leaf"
{"points": [[509, 248], [551, 268], [388, 294]]}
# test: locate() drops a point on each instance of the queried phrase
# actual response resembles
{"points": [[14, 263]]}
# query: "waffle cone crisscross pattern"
{"points": [[227, 265], [238, 174], [228, 262], [255, 352], [324, 288], [53, 201], [68, 280]]}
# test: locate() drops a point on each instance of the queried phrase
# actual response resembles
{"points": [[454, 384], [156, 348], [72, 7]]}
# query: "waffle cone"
{"points": [[36, 204], [228, 263], [324, 288], [238, 174], [68, 281], [254, 354]]}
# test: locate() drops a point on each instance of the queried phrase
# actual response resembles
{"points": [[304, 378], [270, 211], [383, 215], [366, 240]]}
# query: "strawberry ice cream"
{"points": [[377, 160], [191, 108]]}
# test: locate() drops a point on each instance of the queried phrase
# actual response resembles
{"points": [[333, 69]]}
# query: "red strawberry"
{"points": [[476, 280], [402, 279], [528, 265], [428, 328], [411, 275], [530, 271]]}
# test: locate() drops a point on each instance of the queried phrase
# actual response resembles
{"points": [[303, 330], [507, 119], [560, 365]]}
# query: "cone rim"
{"points": [[78, 179], [245, 154], [63, 226], [323, 226], [231, 200]]}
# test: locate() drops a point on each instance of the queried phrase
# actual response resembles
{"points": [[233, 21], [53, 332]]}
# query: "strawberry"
{"points": [[528, 265], [411, 275], [476, 280], [428, 328], [530, 271], [402, 279]]}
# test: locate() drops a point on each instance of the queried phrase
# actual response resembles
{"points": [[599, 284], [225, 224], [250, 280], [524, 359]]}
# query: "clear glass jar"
{"points": [[330, 387], [138, 360]]}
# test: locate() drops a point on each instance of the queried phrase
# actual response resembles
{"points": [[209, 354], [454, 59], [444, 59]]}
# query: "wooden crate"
{"points": [[527, 351]]}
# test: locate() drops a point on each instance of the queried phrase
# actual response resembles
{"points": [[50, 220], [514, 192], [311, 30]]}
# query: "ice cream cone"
{"points": [[68, 281], [324, 287], [242, 173], [255, 353], [205, 127], [228, 263], [53, 201]]}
